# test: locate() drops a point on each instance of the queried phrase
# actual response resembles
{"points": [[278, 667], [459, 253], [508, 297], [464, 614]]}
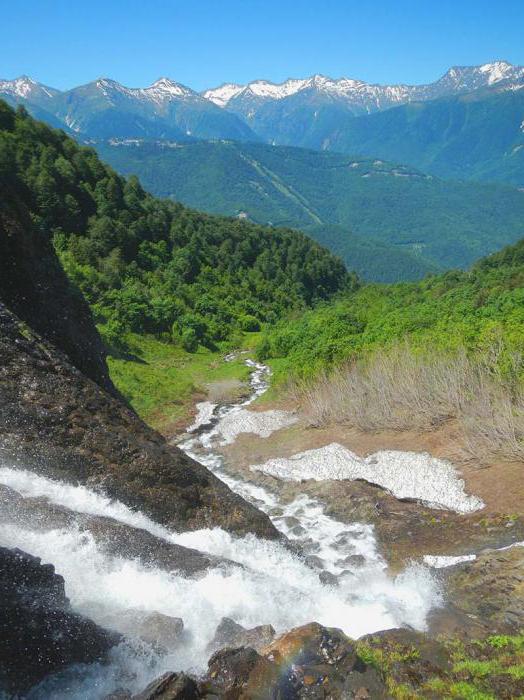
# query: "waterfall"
{"points": [[273, 584]]}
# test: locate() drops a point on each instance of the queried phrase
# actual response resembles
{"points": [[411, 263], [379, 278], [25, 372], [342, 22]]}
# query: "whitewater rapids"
{"points": [[273, 586]]}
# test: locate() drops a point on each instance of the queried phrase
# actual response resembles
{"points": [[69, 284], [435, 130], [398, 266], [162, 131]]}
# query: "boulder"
{"points": [[308, 662], [161, 631], [231, 634], [39, 633]]}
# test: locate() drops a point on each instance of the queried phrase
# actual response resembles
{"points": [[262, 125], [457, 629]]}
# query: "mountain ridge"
{"points": [[257, 110]]}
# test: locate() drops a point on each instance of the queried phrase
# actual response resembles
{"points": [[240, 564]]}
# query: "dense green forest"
{"points": [[388, 222], [480, 310], [152, 266]]}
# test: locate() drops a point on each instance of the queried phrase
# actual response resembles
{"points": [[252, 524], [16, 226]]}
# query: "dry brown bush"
{"points": [[404, 389]]}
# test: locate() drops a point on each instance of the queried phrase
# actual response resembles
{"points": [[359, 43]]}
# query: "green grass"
{"points": [[162, 381], [476, 670]]}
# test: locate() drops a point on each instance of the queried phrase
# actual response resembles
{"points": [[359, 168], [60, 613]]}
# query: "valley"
{"points": [[261, 399], [387, 222]]}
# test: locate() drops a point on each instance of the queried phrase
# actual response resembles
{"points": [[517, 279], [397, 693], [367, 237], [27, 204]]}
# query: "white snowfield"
{"points": [[261, 423], [414, 475], [441, 562]]}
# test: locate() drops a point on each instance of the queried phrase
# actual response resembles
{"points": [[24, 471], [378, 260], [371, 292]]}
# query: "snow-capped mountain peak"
{"points": [[165, 88], [368, 96], [222, 94], [25, 87], [162, 90], [499, 70]]}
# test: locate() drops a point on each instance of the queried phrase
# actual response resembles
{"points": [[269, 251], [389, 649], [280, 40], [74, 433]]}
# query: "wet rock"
{"points": [[307, 662], [159, 630], [113, 537], [328, 579], [298, 531], [171, 686], [314, 562], [355, 560], [230, 634], [39, 633], [241, 673]]}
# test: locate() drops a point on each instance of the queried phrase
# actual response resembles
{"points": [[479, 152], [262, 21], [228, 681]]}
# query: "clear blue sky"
{"points": [[205, 42]]}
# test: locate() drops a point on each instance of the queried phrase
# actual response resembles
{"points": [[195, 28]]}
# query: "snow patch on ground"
{"points": [[414, 475], [261, 423], [204, 414], [441, 562]]}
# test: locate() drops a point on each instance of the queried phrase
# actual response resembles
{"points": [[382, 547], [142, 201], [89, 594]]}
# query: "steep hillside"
{"points": [[350, 204], [478, 135], [151, 266], [478, 310]]}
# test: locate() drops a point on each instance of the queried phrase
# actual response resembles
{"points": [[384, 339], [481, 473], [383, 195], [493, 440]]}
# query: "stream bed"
{"points": [[334, 573]]}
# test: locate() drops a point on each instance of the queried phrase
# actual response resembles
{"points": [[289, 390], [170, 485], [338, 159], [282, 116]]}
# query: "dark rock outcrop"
{"points": [[490, 590], [55, 421], [308, 662], [34, 286], [39, 633]]}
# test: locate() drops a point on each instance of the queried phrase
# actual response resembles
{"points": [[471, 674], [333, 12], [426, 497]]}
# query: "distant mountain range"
{"points": [[106, 109], [314, 112], [308, 112], [241, 150], [387, 221]]}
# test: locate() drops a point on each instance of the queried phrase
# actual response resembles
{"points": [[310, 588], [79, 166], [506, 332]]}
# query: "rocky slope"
{"points": [[313, 661]]}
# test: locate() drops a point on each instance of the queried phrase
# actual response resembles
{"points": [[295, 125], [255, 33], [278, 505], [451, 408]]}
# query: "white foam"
{"points": [[77, 498], [415, 475]]}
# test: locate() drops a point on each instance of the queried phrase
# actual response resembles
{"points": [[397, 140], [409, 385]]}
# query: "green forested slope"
{"points": [[420, 223], [478, 135], [152, 266], [480, 309]]}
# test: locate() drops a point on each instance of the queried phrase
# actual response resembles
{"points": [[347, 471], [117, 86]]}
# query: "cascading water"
{"points": [[273, 585]]}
